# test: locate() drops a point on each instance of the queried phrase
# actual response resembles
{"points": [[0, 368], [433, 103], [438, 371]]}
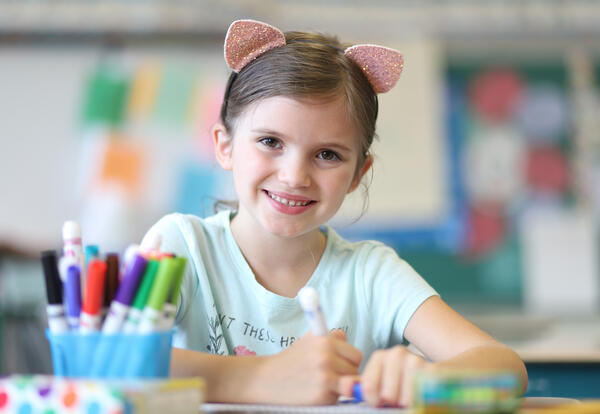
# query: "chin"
{"points": [[287, 230]]}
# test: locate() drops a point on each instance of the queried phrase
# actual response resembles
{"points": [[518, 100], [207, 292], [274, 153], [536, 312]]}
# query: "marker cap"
{"points": [[164, 277], [94, 287], [309, 298], [91, 251], [131, 280], [71, 231], [178, 272], [53, 282], [112, 278], [73, 291], [146, 284]]}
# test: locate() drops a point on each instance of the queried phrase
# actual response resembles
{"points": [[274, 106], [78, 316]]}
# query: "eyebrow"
{"points": [[332, 145]]}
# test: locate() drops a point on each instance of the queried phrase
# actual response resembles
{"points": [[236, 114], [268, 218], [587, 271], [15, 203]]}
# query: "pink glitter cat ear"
{"points": [[248, 39], [381, 65]]}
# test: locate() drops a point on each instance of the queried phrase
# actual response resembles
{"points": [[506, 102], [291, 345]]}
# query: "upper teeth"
{"points": [[287, 202]]}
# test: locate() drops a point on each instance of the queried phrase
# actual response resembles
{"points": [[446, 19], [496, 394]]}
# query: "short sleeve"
{"points": [[172, 229], [393, 292]]}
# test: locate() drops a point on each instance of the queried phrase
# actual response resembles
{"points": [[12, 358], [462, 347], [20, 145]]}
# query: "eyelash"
{"points": [[270, 142], [274, 143], [334, 154]]}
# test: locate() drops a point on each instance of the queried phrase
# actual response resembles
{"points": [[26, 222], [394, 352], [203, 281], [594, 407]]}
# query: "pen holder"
{"points": [[122, 356]]}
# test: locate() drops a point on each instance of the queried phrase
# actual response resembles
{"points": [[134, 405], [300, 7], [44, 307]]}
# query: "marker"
{"points": [[71, 235], [170, 307], [153, 310], [91, 312], [141, 297], [357, 392], [73, 297], [120, 304], [309, 301], [54, 309], [63, 265], [128, 257], [112, 280], [91, 252]]}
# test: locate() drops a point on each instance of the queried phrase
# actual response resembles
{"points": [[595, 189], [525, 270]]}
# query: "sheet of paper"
{"points": [[348, 408]]}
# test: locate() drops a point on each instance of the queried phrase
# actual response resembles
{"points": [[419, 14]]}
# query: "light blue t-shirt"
{"points": [[364, 287]]}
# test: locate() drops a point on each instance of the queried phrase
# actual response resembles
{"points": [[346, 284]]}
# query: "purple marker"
{"points": [[73, 296], [120, 304]]}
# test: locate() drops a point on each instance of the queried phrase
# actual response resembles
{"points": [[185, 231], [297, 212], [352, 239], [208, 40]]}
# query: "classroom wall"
{"points": [[67, 152]]}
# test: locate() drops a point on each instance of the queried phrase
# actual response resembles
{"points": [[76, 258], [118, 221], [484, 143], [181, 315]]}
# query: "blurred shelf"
{"points": [[459, 18]]}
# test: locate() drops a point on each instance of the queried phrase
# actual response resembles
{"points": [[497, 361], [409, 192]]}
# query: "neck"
{"points": [[282, 265]]}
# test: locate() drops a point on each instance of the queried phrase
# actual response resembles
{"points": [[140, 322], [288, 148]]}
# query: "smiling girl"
{"points": [[296, 125]]}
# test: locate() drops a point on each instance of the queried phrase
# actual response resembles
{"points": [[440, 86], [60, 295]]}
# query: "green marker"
{"points": [[135, 311], [170, 307], [150, 319]]}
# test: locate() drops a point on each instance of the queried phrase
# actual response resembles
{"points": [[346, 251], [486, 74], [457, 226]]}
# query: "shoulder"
{"points": [[364, 251], [370, 261], [188, 223], [180, 232]]}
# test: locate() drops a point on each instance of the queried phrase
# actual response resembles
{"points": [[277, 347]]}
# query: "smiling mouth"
{"points": [[289, 203]]}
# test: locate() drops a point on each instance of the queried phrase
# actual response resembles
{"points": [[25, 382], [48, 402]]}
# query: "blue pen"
{"points": [[357, 393]]}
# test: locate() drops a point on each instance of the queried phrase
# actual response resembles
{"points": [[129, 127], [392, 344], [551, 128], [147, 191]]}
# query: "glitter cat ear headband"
{"points": [[248, 39]]}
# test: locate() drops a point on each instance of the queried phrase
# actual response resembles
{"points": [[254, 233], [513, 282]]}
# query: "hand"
{"points": [[388, 377], [308, 372]]}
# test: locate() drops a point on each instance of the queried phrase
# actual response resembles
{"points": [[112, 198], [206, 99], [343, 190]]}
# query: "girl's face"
{"points": [[293, 162]]}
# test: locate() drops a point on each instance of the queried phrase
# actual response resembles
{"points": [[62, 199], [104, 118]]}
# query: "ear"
{"points": [[360, 174], [223, 145]]}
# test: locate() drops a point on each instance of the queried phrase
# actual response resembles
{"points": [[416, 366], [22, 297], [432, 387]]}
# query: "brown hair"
{"points": [[309, 65]]}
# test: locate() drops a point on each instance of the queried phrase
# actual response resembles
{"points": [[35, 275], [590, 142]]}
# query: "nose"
{"points": [[294, 172]]}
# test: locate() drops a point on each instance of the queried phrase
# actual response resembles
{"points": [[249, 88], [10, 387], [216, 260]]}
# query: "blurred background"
{"points": [[487, 172]]}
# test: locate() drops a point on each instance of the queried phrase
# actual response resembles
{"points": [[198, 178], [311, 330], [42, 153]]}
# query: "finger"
{"points": [[342, 366], [392, 375], [338, 334], [344, 349], [371, 378], [413, 363], [350, 353], [345, 384]]}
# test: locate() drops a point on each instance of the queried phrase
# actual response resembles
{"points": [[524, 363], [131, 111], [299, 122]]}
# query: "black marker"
{"points": [[55, 310]]}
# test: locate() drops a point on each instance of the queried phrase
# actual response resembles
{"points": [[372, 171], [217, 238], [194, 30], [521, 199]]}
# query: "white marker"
{"points": [[72, 248], [309, 301]]}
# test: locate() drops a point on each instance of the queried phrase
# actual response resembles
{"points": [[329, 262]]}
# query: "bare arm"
{"points": [[448, 340], [307, 372], [226, 376], [452, 342]]}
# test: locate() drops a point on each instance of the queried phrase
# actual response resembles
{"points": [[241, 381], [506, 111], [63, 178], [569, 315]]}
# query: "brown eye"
{"points": [[329, 155], [270, 142]]}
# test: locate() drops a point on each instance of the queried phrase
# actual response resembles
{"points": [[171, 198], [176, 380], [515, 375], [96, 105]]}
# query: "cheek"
{"points": [[248, 164], [340, 182]]}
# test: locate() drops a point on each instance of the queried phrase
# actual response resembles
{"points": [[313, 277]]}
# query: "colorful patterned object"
{"points": [[40, 394], [467, 392], [43, 394]]}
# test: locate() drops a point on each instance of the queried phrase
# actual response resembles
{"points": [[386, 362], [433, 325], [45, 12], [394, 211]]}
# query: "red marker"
{"points": [[91, 312]]}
